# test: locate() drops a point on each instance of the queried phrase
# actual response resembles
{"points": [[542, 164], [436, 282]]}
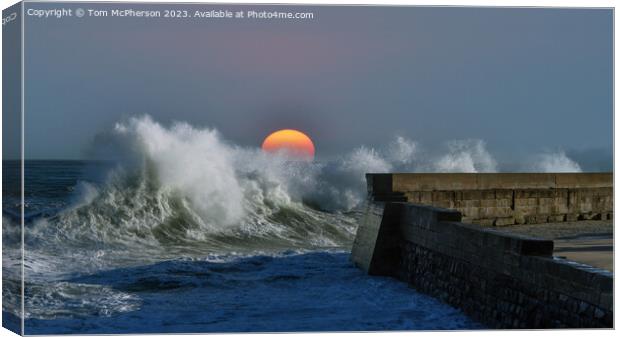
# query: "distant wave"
{"points": [[554, 162]]}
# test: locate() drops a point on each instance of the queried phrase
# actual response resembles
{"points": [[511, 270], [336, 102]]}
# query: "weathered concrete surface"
{"points": [[370, 249], [596, 252], [500, 199], [589, 242], [504, 280]]}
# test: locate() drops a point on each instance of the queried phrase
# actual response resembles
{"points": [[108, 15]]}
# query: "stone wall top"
{"points": [[386, 183]]}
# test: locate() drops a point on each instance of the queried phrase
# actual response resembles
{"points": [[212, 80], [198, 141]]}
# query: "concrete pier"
{"points": [[501, 278]]}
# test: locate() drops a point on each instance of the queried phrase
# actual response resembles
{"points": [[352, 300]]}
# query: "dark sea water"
{"points": [[137, 249]]}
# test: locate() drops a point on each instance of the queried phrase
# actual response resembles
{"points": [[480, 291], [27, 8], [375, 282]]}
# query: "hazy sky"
{"points": [[520, 79]]}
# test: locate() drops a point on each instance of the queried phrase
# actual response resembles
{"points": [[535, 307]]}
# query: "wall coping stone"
{"points": [[386, 183]]}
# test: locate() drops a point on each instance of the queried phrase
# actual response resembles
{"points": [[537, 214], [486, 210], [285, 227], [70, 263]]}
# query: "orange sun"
{"points": [[291, 142]]}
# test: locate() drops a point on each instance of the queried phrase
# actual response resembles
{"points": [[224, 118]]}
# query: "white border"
{"points": [[482, 3]]}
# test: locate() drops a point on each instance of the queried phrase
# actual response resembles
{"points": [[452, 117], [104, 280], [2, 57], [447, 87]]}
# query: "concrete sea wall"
{"points": [[498, 199], [499, 279]]}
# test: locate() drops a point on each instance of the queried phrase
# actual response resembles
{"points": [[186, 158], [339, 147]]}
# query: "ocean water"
{"points": [[187, 233]]}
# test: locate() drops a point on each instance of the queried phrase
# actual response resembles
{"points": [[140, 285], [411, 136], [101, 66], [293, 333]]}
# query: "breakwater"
{"points": [[498, 199], [502, 280]]}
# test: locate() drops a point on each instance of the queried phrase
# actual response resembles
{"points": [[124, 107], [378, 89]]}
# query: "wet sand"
{"points": [[588, 242]]}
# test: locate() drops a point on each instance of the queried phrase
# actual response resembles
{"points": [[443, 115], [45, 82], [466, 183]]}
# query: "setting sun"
{"points": [[291, 142]]}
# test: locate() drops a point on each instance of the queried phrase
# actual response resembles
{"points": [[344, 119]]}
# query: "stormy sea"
{"points": [[186, 232]]}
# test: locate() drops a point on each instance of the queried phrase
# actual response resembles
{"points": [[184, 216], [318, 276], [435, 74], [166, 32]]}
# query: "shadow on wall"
{"points": [[503, 280]]}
